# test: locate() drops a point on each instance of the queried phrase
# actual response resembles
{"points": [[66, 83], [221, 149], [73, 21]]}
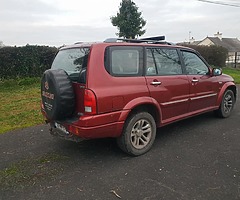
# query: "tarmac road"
{"points": [[197, 158]]}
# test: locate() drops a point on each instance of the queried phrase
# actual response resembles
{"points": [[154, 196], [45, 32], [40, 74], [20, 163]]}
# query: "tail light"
{"points": [[90, 103]]}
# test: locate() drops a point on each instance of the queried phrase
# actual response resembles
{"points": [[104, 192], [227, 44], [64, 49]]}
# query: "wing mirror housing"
{"points": [[216, 72]]}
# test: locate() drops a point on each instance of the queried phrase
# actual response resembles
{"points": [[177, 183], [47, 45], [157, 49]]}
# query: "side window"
{"points": [[151, 66], [194, 65], [125, 61], [162, 61]]}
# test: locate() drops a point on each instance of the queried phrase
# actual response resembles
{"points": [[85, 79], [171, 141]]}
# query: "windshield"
{"points": [[72, 61]]}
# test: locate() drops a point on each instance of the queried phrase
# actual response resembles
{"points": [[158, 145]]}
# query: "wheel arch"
{"points": [[146, 104], [227, 86]]}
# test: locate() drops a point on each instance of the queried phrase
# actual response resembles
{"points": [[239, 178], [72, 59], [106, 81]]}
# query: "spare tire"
{"points": [[57, 94]]}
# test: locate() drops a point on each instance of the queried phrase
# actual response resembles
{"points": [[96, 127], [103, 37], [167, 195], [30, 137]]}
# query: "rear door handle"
{"points": [[156, 83]]}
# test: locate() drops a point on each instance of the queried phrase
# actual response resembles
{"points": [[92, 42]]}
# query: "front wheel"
{"points": [[227, 104], [138, 134]]}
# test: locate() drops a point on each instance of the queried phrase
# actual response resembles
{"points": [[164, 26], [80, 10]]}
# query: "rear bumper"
{"points": [[64, 135], [102, 131], [89, 127]]}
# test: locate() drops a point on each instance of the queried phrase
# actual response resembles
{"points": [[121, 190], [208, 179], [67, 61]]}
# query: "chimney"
{"points": [[219, 35], [191, 40]]}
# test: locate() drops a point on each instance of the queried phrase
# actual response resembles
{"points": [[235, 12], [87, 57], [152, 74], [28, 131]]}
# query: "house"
{"points": [[231, 44]]}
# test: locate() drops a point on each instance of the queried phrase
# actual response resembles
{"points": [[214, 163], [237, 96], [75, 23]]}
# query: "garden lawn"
{"points": [[20, 104], [235, 73]]}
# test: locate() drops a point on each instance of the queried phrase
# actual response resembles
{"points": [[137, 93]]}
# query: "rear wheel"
{"points": [[227, 104], [138, 134]]}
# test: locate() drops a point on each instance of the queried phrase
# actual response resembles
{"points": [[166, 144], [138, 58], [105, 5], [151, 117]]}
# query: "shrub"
{"points": [[27, 61], [214, 55]]}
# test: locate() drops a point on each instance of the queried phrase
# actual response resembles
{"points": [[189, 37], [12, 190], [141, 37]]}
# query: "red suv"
{"points": [[128, 89]]}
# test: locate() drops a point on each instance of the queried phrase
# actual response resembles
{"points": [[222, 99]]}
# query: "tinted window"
{"points": [[162, 61], [72, 61], [124, 61], [194, 64]]}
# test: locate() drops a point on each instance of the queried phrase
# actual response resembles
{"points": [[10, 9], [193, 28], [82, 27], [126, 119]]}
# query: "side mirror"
{"points": [[216, 72]]}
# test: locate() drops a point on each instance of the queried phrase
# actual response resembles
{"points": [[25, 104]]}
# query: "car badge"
{"points": [[46, 85]]}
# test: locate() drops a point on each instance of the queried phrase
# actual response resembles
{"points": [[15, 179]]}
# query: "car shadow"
{"points": [[108, 148], [179, 127]]}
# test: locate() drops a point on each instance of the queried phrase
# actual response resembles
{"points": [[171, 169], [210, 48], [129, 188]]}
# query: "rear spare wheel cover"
{"points": [[57, 94]]}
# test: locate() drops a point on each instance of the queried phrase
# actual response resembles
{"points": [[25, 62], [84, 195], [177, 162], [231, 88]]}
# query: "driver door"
{"points": [[203, 87]]}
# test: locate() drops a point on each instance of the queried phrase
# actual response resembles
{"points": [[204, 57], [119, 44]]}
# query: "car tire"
{"points": [[138, 134], [227, 104], [57, 93]]}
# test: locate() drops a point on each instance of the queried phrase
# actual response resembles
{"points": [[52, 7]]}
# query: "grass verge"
{"points": [[20, 104], [235, 73]]}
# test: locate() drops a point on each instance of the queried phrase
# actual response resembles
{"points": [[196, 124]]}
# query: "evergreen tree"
{"points": [[1, 44], [128, 20]]}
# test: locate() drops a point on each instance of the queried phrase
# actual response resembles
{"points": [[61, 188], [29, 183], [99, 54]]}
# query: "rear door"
{"points": [[167, 83], [74, 62], [203, 86]]}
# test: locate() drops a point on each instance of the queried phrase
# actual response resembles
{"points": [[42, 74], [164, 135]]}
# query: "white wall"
{"points": [[206, 42]]}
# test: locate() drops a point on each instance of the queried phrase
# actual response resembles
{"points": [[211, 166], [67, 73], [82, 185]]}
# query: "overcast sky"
{"points": [[57, 22]]}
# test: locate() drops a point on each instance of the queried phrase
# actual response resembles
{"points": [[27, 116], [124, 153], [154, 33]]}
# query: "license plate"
{"points": [[62, 128]]}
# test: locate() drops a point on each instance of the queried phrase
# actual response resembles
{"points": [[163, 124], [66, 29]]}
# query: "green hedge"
{"points": [[32, 61], [27, 61], [214, 55]]}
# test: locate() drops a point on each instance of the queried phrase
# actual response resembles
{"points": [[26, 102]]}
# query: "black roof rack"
{"points": [[152, 40], [156, 38], [78, 42]]}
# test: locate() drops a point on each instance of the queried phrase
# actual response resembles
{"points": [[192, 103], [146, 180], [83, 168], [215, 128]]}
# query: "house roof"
{"points": [[195, 42], [231, 44], [189, 43]]}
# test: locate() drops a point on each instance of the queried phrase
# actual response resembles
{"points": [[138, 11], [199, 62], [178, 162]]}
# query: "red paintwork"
{"points": [[176, 98], [79, 96], [227, 81], [172, 88]]}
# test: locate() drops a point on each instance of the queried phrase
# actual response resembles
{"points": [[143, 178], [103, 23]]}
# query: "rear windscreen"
{"points": [[73, 61]]}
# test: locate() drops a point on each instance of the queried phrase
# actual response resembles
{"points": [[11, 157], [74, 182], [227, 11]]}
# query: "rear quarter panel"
{"points": [[112, 93]]}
